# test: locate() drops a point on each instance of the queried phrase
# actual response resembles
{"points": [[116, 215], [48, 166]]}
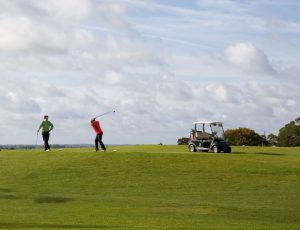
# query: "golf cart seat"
{"points": [[202, 136]]}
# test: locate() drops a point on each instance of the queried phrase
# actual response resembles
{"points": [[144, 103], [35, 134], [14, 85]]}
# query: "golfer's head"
{"points": [[92, 119], [46, 117]]}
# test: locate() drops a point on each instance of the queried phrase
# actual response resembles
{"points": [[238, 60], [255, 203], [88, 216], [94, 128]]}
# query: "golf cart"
{"points": [[206, 136]]}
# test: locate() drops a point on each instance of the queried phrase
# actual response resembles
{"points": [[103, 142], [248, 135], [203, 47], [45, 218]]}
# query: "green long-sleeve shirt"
{"points": [[46, 126]]}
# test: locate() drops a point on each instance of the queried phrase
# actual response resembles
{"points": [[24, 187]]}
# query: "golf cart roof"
{"points": [[207, 122]]}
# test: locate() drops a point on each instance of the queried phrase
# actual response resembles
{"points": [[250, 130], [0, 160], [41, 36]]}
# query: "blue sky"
{"points": [[161, 64]]}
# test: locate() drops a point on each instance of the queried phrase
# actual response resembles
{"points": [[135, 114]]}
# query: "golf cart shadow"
{"points": [[271, 154]]}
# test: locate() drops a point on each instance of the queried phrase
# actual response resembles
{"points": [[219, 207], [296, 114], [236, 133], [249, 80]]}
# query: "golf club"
{"points": [[112, 111], [36, 141]]}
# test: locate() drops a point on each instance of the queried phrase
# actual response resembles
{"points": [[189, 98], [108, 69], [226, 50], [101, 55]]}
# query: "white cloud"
{"points": [[76, 59], [155, 109], [23, 34], [222, 93], [84, 38], [73, 9], [248, 58], [114, 78]]}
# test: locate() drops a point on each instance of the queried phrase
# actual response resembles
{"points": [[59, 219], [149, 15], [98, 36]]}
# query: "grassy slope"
{"points": [[150, 187]]}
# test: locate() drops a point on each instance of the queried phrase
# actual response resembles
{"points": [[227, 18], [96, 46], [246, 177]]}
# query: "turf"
{"points": [[150, 187]]}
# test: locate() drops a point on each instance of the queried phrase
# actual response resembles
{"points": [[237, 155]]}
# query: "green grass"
{"points": [[150, 187]]}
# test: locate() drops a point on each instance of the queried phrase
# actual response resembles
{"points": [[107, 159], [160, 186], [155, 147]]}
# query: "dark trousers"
{"points": [[99, 139], [46, 136]]}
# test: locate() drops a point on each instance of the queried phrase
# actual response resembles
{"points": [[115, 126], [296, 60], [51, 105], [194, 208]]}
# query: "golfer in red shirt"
{"points": [[99, 133]]}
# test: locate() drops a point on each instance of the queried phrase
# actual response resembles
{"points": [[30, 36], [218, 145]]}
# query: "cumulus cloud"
{"points": [[74, 9], [76, 59], [248, 58], [23, 34], [83, 38], [163, 108], [222, 93]]}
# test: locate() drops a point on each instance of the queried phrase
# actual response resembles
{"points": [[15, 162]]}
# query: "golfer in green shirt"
{"points": [[46, 127]]}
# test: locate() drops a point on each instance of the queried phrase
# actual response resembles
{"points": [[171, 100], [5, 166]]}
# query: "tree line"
{"points": [[288, 136]]}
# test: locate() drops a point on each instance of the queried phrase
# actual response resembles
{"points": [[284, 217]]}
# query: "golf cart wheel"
{"points": [[216, 149], [228, 150], [192, 148]]}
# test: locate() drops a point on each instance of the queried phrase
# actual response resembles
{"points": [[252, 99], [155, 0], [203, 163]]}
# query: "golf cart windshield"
{"points": [[214, 129], [217, 129]]}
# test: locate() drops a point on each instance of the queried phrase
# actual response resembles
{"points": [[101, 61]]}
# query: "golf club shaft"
{"points": [[105, 113], [37, 136]]}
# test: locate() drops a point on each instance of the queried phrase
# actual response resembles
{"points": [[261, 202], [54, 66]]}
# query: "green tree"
{"points": [[244, 136], [272, 139], [183, 141], [289, 135]]}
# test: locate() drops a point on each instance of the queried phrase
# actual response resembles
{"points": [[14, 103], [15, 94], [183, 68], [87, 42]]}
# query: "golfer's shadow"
{"points": [[51, 199]]}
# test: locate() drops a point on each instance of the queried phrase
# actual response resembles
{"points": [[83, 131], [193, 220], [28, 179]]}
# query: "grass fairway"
{"points": [[150, 187]]}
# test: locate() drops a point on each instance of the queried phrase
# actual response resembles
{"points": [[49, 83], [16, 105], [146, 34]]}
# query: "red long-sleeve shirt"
{"points": [[96, 126]]}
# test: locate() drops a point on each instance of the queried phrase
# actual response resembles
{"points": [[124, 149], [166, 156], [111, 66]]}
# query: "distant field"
{"points": [[150, 187]]}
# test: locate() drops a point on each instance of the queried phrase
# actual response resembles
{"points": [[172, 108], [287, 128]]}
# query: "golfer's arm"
{"points": [[51, 127], [40, 127]]}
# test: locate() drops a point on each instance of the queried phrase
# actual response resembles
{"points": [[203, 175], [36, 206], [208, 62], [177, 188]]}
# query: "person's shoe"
{"points": [[103, 150], [47, 150], [96, 150]]}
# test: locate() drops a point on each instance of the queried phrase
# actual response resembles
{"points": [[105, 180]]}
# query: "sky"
{"points": [[161, 64]]}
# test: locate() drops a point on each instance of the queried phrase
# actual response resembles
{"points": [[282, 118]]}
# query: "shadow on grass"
{"points": [[261, 153], [5, 190], [51, 199], [271, 154], [54, 226], [238, 152], [9, 197], [5, 193]]}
